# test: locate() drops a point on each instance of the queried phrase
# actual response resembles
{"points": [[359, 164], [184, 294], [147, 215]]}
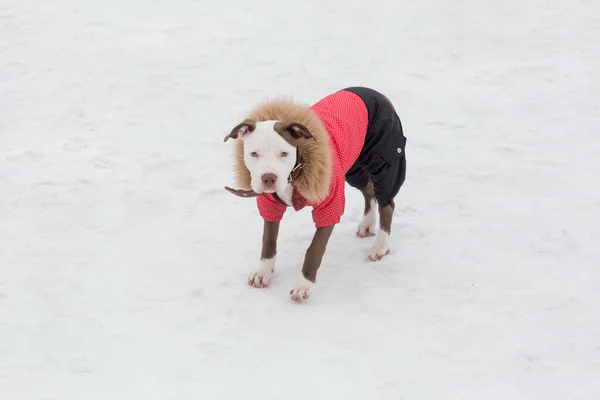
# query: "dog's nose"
{"points": [[269, 180]]}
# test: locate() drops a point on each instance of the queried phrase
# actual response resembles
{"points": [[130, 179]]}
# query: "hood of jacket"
{"points": [[314, 180]]}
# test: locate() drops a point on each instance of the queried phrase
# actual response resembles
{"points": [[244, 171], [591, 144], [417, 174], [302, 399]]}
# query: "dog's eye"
{"points": [[254, 154], [284, 154]]}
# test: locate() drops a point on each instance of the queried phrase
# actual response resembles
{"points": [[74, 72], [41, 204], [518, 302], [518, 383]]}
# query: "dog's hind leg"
{"points": [[387, 186], [382, 245], [359, 179], [368, 223]]}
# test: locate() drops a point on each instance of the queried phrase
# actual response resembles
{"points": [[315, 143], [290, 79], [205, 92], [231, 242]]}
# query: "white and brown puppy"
{"points": [[290, 155]]}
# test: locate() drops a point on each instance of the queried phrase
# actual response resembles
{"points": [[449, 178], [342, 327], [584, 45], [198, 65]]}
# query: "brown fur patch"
{"points": [[292, 131], [314, 181], [269, 240], [314, 253], [247, 125], [385, 217], [369, 194]]}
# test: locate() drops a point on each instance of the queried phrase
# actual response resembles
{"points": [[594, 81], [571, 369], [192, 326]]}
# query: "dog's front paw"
{"points": [[381, 247], [301, 291], [261, 276]]}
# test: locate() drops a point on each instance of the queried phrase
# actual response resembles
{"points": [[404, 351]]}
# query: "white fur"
{"points": [[368, 224], [381, 246], [269, 145], [301, 291], [286, 194], [262, 274]]}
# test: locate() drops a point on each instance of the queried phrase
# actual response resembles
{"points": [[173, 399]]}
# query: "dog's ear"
{"points": [[298, 131], [242, 129]]}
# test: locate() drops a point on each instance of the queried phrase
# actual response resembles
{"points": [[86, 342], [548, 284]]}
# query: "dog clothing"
{"points": [[367, 144]]}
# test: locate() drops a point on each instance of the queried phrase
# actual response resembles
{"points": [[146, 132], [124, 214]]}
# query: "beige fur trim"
{"points": [[314, 181]]}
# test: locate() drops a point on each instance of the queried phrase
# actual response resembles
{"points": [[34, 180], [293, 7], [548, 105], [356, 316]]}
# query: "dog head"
{"points": [[270, 151]]}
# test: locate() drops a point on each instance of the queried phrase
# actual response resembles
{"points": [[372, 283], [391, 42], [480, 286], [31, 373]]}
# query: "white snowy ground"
{"points": [[123, 262]]}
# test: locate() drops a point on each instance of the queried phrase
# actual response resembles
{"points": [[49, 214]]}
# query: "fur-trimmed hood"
{"points": [[314, 179]]}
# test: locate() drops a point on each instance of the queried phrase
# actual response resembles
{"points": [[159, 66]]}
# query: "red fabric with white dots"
{"points": [[346, 118]]}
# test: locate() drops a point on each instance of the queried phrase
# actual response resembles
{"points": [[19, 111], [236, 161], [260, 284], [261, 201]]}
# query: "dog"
{"points": [[293, 155]]}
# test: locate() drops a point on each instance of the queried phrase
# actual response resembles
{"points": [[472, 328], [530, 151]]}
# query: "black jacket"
{"points": [[382, 159]]}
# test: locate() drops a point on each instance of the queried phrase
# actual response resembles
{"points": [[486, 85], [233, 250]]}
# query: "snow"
{"points": [[123, 262]]}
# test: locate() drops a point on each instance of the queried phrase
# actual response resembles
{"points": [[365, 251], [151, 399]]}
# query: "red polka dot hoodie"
{"points": [[339, 123]]}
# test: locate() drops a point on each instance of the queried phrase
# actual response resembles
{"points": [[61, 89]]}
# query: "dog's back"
{"points": [[346, 118]]}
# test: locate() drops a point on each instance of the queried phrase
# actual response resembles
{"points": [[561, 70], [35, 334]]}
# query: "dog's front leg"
{"points": [[312, 262], [262, 274]]}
